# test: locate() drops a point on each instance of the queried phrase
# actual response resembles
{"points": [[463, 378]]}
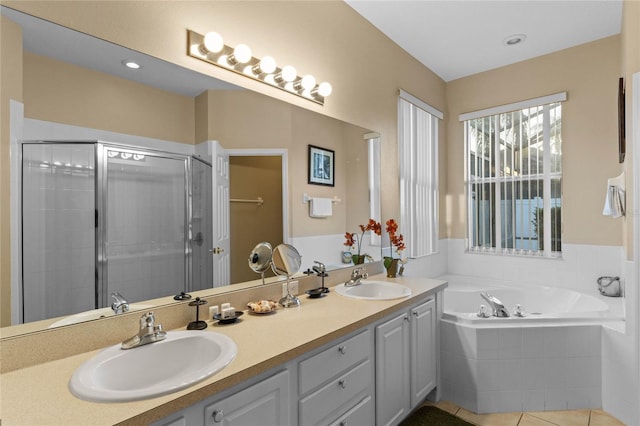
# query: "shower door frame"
{"points": [[192, 158], [102, 261]]}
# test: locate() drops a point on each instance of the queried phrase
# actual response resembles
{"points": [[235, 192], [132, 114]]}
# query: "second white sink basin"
{"points": [[182, 359], [374, 290]]}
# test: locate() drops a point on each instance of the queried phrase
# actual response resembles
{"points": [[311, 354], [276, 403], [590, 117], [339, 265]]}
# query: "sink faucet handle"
{"points": [[120, 304], [147, 320]]}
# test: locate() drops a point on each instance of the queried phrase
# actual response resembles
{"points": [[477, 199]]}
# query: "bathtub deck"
{"points": [[536, 418]]}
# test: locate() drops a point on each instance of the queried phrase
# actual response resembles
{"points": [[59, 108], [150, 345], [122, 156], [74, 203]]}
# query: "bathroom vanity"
{"points": [[333, 360], [375, 375]]}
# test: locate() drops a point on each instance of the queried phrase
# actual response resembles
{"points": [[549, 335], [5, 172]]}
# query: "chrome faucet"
{"points": [[496, 305], [357, 275], [120, 304], [149, 333]]}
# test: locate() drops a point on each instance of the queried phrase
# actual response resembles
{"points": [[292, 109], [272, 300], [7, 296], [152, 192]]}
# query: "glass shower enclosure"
{"points": [[101, 218]]}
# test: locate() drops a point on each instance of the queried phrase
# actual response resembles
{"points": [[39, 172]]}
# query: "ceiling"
{"points": [[455, 38]]}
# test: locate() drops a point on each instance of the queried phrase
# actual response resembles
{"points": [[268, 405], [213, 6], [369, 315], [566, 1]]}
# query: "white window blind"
{"points": [[514, 177], [418, 157]]}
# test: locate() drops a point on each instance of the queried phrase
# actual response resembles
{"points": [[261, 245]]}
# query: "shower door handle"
{"points": [[216, 250], [199, 239]]}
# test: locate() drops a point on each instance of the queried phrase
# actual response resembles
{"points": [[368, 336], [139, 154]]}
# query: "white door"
{"points": [[221, 231]]}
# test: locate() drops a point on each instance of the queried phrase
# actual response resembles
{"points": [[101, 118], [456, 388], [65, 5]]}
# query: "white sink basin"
{"points": [[182, 359], [95, 314], [374, 290]]}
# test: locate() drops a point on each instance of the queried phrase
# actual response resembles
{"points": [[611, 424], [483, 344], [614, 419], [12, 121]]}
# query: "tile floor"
{"points": [[536, 418]]}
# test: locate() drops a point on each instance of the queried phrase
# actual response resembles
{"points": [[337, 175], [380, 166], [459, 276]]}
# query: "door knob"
{"points": [[216, 250]]}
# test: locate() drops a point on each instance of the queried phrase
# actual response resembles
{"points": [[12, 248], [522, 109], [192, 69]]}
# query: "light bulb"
{"points": [[213, 42], [242, 53], [324, 89], [308, 82], [268, 65], [289, 73]]}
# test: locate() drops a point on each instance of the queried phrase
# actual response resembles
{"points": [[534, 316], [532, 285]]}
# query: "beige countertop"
{"points": [[39, 395]]}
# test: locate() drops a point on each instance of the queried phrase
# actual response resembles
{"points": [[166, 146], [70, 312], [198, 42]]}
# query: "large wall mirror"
{"points": [[150, 174]]}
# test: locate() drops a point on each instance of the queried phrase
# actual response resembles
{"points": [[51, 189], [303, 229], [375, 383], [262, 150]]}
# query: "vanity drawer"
{"points": [[361, 414], [325, 365], [338, 392]]}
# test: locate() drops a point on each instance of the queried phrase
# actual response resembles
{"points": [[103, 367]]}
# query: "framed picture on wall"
{"points": [[321, 166]]}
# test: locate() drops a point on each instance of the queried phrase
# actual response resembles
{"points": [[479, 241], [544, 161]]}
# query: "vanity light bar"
{"points": [[211, 48]]}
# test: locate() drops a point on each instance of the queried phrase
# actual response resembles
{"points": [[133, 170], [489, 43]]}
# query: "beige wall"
{"points": [[589, 74], [250, 178], [10, 88], [64, 93]]}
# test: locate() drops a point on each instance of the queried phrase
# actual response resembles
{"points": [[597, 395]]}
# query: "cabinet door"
{"points": [[423, 351], [392, 370], [265, 403]]}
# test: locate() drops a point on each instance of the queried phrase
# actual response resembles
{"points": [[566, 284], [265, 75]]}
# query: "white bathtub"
{"points": [[548, 360], [462, 302]]}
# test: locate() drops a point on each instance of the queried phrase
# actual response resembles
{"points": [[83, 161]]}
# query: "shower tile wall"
{"points": [[58, 229]]}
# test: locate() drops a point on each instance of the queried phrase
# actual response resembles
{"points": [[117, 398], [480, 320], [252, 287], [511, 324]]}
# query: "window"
{"points": [[514, 177], [418, 153]]}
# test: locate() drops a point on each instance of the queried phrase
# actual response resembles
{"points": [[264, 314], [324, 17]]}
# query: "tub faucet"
{"points": [[149, 333], [496, 305], [357, 275], [120, 304]]}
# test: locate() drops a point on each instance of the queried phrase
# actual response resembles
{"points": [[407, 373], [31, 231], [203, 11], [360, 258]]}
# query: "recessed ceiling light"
{"points": [[514, 39], [131, 64]]}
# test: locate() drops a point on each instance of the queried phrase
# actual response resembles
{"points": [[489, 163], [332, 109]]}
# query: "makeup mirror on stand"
{"points": [[260, 258], [286, 261]]}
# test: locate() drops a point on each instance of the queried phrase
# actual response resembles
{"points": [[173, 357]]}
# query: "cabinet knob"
{"points": [[342, 350], [342, 383], [406, 318], [218, 416], [415, 313], [343, 423]]}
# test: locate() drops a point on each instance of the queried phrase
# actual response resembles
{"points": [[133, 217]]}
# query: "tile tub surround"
{"points": [[490, 370], [39, 394]]}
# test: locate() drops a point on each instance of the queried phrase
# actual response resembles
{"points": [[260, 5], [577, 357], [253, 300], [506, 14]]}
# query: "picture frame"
{"points": [[621, 121], [321, 166]]}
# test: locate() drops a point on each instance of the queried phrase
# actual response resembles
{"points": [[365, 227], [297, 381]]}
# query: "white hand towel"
{"points": [[321, 207], [614, 202]]}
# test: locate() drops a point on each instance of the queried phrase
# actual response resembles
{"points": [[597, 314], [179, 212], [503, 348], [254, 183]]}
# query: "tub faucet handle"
{"points": [[482, 313], [518, 311]]}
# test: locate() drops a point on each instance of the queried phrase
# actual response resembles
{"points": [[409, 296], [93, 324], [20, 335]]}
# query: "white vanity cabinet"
{"points": [[266, 402], [406, 361], [336, 385]]}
